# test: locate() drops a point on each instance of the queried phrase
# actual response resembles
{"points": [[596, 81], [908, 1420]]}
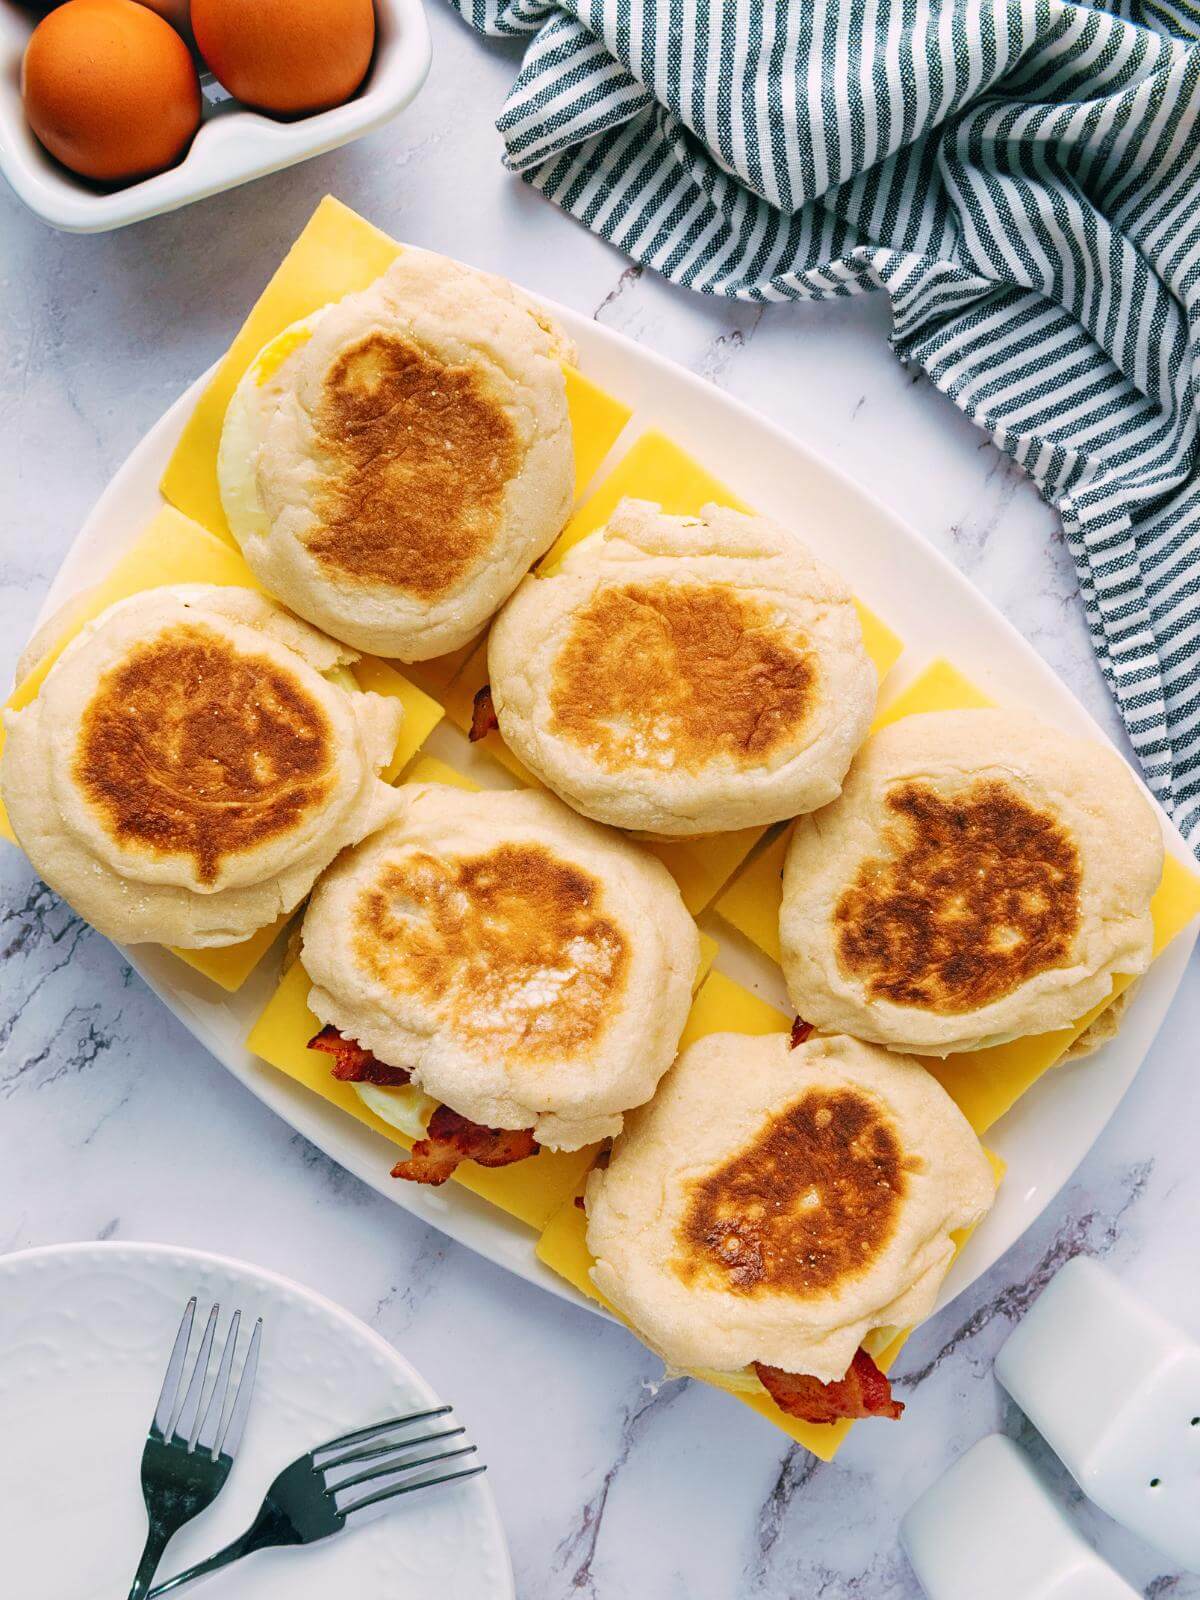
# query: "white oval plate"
{"points": [[926, 600], [85, 1332]]}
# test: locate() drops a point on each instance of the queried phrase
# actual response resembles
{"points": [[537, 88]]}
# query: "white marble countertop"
{"points": [[114, 1123]]}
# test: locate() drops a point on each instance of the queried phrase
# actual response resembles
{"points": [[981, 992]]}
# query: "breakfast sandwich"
{"points": [[684, 675], [187, 769], [776, 1203], [982, 877], [528, 972], [392, 465]]}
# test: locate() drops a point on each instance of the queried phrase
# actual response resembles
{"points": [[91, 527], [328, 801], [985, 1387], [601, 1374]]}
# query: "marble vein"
{"points": [[575, 1554], [1092, 1231]]}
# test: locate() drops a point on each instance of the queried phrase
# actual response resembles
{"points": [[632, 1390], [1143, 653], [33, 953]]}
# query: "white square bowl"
{"points": [[232, 145]]}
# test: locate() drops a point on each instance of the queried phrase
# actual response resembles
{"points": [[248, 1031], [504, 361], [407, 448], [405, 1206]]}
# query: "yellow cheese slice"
{"points": [[337, 254], [655, 468], [230, 966], [940, 687], [724, 1006], [430, 770], [984, 1083], [175, 549], [751, 902], [708, 954], [421, 713], [597, 421], [701, 866]]}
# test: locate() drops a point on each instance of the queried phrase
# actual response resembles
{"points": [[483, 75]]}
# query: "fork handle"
{"points": [[157, 1541], [267, 1530]]}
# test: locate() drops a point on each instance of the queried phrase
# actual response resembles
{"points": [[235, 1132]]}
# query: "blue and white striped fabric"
{"points": [[1020, 177]]}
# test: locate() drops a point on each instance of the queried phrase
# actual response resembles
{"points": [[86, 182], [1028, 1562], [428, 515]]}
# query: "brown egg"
{"points": [[173, 11], [110, 89], [286, 55]]}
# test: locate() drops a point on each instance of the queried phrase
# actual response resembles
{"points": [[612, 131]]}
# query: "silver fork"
{"points": [[301, 1506], [188, 1455]]}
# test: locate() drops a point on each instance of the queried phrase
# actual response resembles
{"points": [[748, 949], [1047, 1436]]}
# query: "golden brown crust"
{"points": [[688, 671], [420, 454], [808, 1204], [190, 747], [514, 937], [980, 891]]}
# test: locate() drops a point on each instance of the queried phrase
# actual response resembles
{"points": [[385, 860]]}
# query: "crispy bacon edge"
{"points": [[863, 1392], [452, 1139], [483, 715], [353, 1064], [801, 1031]]}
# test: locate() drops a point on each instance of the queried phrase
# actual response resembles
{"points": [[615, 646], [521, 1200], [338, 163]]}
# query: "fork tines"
{"points": [[393, 1460], [178, 1417]]}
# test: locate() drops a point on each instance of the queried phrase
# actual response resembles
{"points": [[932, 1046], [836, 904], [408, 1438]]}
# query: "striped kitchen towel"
{"points": [[1020, 177]]}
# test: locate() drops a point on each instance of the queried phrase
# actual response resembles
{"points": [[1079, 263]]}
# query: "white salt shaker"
{"points": [[990, 1529], [1114, 1389]]}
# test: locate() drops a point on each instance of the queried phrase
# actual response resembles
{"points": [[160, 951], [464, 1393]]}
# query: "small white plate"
{"points": [[233, 145], [85, 1332]]}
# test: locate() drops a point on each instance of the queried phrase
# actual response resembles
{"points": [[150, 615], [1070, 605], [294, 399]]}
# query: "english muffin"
{"points": [[684, 675], [186, 770], [981, 877], [773, 1205], [392, 465], [524, 967]]}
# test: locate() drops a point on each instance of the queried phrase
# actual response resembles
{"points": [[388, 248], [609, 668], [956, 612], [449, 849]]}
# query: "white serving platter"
{"points": [[929, 604]]}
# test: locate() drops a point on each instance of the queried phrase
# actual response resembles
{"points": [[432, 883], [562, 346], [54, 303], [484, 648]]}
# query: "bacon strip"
{"points": [[483, 715], [452, 1139], [353, 1064], [801, 1030], [863, 1392]]}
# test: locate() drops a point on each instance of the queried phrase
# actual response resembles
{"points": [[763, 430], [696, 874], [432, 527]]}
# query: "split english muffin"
{"points": [[684, 675], [982, 877], [525, 968], [775, 1204], [187, 771], [392, 465]]}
